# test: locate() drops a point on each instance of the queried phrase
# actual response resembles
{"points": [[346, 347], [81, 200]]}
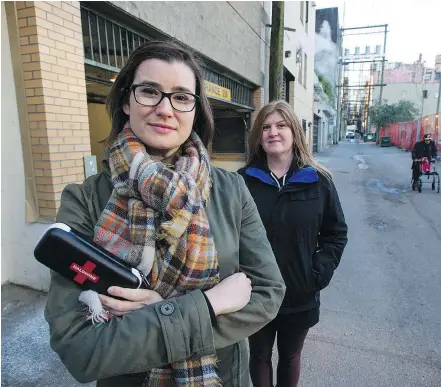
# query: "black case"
{"points": [[70, 254]]}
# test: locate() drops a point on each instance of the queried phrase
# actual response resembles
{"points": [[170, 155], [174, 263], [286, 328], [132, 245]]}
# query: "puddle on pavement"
{"points": [[362, 164], [381, 186]]}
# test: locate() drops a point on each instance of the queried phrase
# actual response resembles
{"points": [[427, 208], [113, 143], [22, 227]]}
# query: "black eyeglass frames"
{"points": [[149, 96]]}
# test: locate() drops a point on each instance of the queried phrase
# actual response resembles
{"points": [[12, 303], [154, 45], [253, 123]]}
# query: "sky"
{"points": [[414, 27]]}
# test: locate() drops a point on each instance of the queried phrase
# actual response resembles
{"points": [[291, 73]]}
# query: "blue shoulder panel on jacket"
{"points": [[305, 175], [261, 175]]}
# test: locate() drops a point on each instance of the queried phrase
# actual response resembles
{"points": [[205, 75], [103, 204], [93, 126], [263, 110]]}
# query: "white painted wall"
{"points": [[303, 94], [17, 237]]}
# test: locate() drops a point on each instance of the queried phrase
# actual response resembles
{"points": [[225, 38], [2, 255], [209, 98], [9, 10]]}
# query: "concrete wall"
{"points": [[17, 237], [213, 28], [304, 37], [394, 92]]}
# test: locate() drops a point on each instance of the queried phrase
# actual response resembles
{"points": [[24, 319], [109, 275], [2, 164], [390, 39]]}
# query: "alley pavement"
{"points": [[380, 317]]}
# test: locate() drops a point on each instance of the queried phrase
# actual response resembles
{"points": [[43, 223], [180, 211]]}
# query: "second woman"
{"points": [[304, 222]]}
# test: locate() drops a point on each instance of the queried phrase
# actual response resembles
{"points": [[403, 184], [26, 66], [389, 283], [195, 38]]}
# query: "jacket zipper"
{"points": [[277, 180], [275, 224]]}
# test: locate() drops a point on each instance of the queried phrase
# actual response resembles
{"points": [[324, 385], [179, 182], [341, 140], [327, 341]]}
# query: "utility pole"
{"points": [[338, 130], [439, 97], [437, 113], [382, 77], [382, 65], [276, 51]]}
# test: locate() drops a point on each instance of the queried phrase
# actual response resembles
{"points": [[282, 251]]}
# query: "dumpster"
{"points": [[369, 137], [385, 141]]}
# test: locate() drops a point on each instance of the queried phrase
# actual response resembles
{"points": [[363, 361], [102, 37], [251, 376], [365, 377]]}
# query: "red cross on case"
{"points": [[84, 272]]}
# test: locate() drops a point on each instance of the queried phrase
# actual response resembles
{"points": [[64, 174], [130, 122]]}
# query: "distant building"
{"points": [[327, 52], [417, 72], [298, 62], [410, 82]]}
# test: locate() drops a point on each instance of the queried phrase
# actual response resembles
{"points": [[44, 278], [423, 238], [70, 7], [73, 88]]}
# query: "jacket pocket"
{"points": [[309, 193], [303, 211], [232, 366], [294, 257]]}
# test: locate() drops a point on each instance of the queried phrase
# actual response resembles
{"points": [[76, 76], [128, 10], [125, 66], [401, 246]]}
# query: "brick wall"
{"points": [[258, 102], [51, 47]]}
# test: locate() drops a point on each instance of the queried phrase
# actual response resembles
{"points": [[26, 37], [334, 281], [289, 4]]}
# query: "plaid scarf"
{"points": [[156, 221]]}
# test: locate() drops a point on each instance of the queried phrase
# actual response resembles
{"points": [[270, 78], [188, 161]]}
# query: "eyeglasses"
{"points": [[149, 96]]}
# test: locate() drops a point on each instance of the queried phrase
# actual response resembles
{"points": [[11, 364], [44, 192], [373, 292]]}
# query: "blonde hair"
{"points": [[301, 150]]}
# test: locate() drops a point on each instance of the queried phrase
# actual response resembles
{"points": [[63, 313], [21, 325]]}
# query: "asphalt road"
{"points": [[381, 316]]}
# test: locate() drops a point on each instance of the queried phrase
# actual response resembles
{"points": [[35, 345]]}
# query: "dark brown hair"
{"points": [[169, 52]]}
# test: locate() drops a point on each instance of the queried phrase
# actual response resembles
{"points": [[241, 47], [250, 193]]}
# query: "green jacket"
{"points": [[148, 338]]}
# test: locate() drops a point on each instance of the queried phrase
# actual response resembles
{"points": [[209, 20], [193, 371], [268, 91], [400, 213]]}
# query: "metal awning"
{"points": [[108, 45]]}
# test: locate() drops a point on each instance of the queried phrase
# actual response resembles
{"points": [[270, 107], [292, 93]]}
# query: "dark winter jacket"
{"points": [[305, 225], [421, 149]]}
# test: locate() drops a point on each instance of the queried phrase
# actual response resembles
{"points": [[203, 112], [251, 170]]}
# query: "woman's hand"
{"points": [[134, 299], [231, 294]]}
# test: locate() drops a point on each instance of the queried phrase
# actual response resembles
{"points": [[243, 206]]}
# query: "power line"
{"points": [[248, 24], [365, 33], [364, 27]]}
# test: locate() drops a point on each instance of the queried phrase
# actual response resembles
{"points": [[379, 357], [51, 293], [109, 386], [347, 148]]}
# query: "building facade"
{"points": [[326, 67], [414, 82], [59, 62], [417, 72], [424, 96], [298, 48]]}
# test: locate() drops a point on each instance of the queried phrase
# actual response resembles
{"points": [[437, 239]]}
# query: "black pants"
{"points": [[290, 341], [415, 171]]}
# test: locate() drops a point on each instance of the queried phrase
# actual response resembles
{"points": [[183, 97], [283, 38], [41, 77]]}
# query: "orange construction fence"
{"points": [[405, 134]]}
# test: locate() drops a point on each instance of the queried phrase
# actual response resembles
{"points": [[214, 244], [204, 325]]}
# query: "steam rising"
{"points": [[326, 54]]}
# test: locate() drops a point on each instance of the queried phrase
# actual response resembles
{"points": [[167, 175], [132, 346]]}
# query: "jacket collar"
{"points": [[259, 170], [306, 175]]}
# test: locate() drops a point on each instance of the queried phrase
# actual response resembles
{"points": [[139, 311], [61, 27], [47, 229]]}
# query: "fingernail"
{"points": [[111, 290]]}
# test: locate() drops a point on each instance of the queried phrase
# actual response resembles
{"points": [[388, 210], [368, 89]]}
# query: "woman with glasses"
{"points": [[192, 230]]}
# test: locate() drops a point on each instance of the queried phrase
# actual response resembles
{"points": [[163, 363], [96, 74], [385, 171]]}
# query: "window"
{"points": [[307, 16], [305, 70], [300, 77], [229, 135], [302, 11], [286, 87]]}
